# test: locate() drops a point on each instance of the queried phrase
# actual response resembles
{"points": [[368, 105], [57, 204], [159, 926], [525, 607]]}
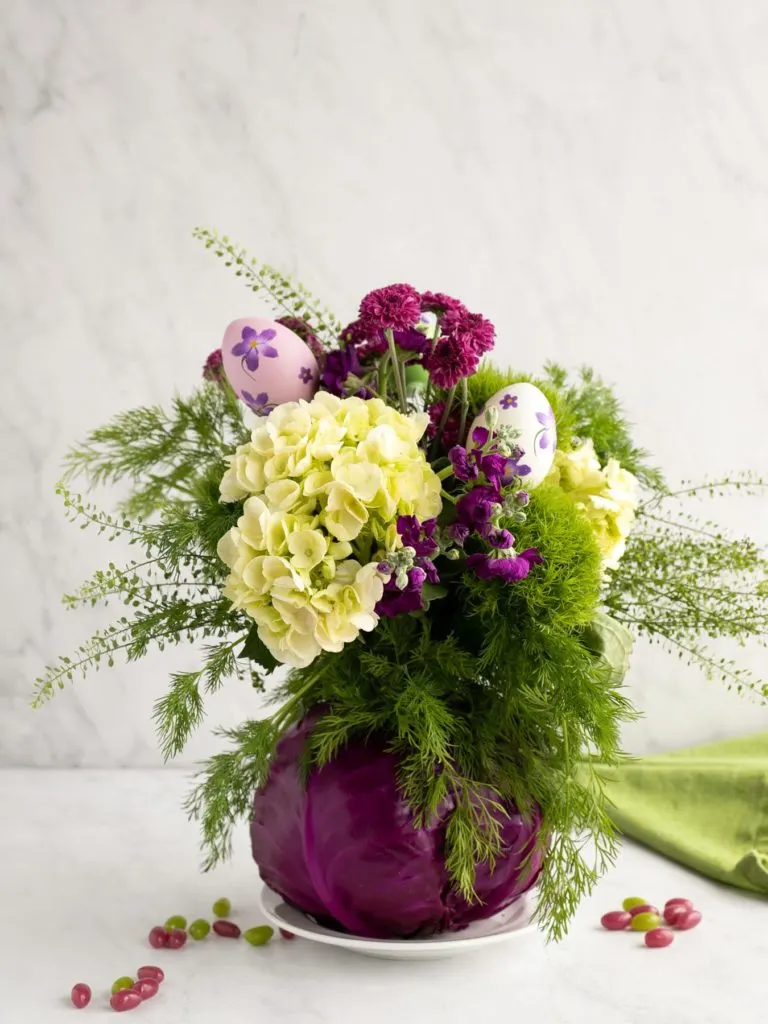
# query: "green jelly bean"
{"points": [[644, 922], [222, 907], [121, 983], [259, 936], [177, 921], [199, 929], [633, 901]]}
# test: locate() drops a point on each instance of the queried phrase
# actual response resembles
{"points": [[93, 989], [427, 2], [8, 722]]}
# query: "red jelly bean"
{"points": [[146, 987], [674, 911], [680, 902], [657, 938], [226, 929], [125, 999], [80, 995], [177, 938], [287, 935], [688, 921], [150, 971], [616, 920], [158, 938], [644, 908]]}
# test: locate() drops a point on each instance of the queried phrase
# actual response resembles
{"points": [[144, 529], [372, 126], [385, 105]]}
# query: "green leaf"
{"points": [[255, 650], [432, 592]]}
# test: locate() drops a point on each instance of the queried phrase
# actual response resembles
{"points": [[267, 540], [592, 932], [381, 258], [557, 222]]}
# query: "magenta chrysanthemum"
{"points": [[439, 302], [395, 307], [449, 361], [213, 369], [471, 330]]}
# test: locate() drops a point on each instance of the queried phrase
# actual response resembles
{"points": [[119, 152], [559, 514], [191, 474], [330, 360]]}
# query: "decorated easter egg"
{"points": [[526, 410], [267, 364]]}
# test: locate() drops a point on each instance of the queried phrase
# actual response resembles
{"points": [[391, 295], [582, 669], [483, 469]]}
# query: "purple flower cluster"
{"points": [[339, 364], [420, 537], [477, 511]]}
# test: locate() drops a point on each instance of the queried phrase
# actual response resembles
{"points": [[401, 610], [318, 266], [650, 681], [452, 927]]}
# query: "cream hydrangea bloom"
{"points": [[323, 483], [607, 495]]}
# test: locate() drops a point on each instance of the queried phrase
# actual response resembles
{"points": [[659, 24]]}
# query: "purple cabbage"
{"points": [[344, 847]]}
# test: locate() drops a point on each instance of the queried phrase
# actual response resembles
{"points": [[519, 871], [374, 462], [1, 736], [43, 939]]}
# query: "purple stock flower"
{"points": [[411, 340], [510, 569], [253, 345], [465, 467], [476, 508], [401, 602], [501, 539], [257, 403], [305, 375], [339, 364], [459, 533], [419, 536]]}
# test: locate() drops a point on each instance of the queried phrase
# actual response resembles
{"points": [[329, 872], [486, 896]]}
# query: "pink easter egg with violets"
{"points": [[267, 364]]}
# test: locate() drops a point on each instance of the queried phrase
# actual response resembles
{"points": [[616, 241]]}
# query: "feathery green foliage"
{"points": [[286, 296]]}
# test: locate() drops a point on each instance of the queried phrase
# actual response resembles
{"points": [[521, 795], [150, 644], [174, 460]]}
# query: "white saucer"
{"points": [[512, 923]]}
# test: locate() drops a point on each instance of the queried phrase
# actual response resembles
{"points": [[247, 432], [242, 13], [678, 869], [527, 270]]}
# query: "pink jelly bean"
{"points": [[150, 971], [616, 920], [146, 987], [657, 938], [673, 912], [125, 999], [158, 937], [688, 921], [177, 938], [644, 908], [678, 901], [80, 995], [226, 929]]}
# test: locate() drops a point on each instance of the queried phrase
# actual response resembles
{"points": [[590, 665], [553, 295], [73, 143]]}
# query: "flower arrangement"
{"points": [[451, 559]]}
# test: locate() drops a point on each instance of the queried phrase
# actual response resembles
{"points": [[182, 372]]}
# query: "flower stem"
{"points": [[397, 370], [445, 473], [464, 409], [444, 419]]}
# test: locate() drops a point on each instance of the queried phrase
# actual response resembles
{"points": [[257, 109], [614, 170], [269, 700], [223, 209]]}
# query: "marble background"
{"points": [[591, 174]]}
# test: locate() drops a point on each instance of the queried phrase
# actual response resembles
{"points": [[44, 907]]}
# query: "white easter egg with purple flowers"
{"points": [[267, 364], [526, 410]]}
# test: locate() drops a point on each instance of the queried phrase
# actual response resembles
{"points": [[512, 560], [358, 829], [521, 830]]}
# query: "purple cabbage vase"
{"points": [[344, 848]]}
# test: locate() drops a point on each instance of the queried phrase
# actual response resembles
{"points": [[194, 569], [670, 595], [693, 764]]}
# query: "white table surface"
{"points": [[90, 860]]}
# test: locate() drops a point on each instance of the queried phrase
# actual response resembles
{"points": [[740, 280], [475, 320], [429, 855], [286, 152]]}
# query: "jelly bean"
{"points": [[222, 907], [259, 936], [679, 902], [177, 938], [121, 983], [688, 921], [150, 971], [286, 934], [125, 999], [227, 929], [633, 901], [198, 929], [178, 921], [80, 995], [616, 920], [644, 908], [158, 938], [657, 938], [673, 912], [146, 987], [645, 922]]}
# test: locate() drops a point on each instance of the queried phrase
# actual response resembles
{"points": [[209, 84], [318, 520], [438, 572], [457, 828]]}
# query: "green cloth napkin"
{"points": [[706, 807]]}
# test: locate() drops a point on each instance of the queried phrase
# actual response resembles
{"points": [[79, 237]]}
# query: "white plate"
{"points": [[512, 923]]}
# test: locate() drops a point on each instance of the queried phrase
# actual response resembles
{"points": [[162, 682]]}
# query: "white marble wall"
{"points": [[592, 175]]}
